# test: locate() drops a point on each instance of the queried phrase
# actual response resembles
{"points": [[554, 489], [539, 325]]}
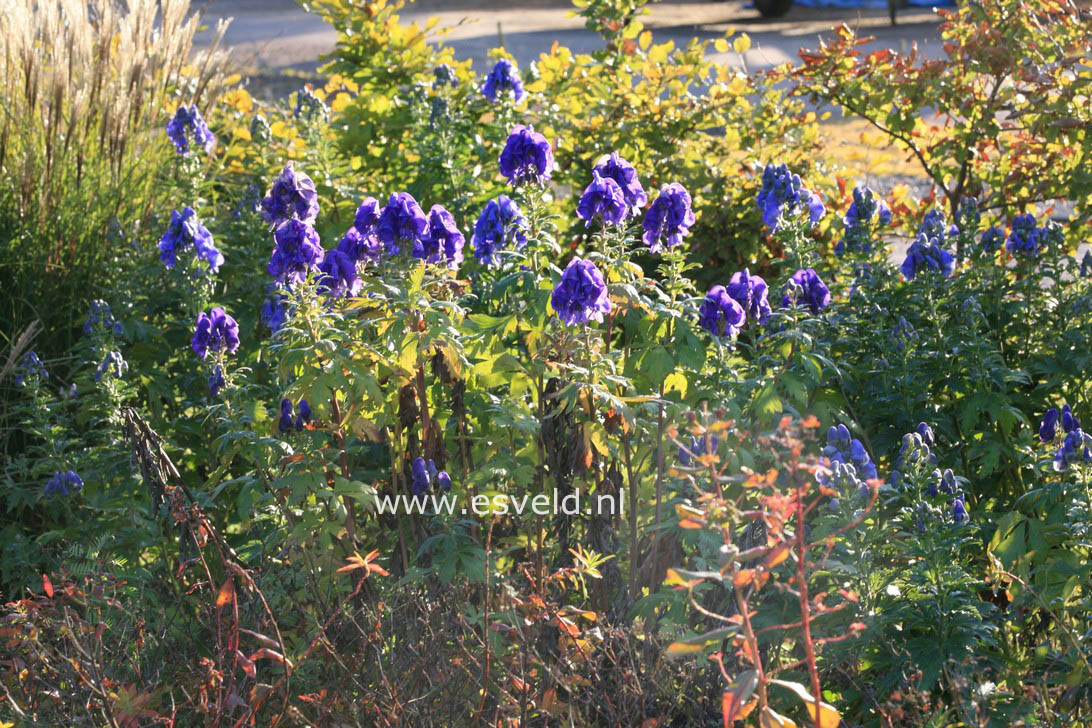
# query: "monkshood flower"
{"points": [[925, 432], [30, 368], [527, 157], [500, 225], [720, 314], [292, 196], [669, 218], [443, 480], [285, 423], [99, 315], [696, 449], [844, 448], [401, 221], [273, 313], [444, 243], [1048, 427], [902, 333], [858, 220], [992, 239], [504, 77], [366, 219], [186, 124], [339, 277], [843, 477], [750, 292], [304, 416], [214, 331], [186, 231], [113, 364], [445, 76], [581, 295], [64, 484], [614, 167], [421, 479], [1026, 238], [925, 254], [806, 288], [359, 246], [935, 226], [783, 194], [602, 198], [216, 381], [298, 252], [959, 510], [260, 130]]}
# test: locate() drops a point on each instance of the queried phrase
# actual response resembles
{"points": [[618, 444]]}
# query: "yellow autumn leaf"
{"points": [[769, 719], [681, 649], [645, 40], [742, 44], [281, 130], [829, 717], [721, 45]]}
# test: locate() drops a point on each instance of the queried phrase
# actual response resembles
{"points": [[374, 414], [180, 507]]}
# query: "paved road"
{"points": [[278, 34]]}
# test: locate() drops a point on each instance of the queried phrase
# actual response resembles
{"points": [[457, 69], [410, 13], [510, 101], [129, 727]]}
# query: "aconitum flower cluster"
{"points": [[720, 314], [1075, 443], [902, 334], [842, 447], [292, 196], [402, 221], [992, 239], [273, 313], [216, 381], [309, 106], [1026, 238], [603, 198], [806, 288], [214, 331], [187, 124], [99, 316], [669, 218], [444, 76], [500, 226], [934, 226], [783, 194], [30, 368], [925, 254], [339, 277], [113, 364], [64, 484], [581, 295], [527, 157], [186, 231], [444, 243], [290, 419], [426, 476], [942, 482], [622, 172], [297, 253], [503, 78], [360, 241], [858, 221], [751, 293]]}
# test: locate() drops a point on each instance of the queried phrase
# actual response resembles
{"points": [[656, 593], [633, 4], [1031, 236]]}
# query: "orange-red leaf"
{"points": [[47, 585], [226, 593]]}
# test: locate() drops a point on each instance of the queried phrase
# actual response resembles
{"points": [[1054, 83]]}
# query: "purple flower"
{"points": [[751, 293], [297, 253], [402, 220], [444, 243], [443, 480], [935, 225], [187, 122], [669, 218], [781, 194], [603, 197], [367, 216], [359, 246], [292, 196], [216, 381], [185, 230], [613, 166], [421, 479], [1026, 238], [806, 288], [720, 314], [30, 368], [100, 315], [924, 255], [527, 157], [339, 277], [499, 226], [113, 364], [1047, 428], [992, 239], [503, 77], [304, 416], [273, 313], [63, 484], [215, 330], [285, 424], [959, 510], [926, 434], [816, 210], [445, 76], [846, 449], [858, 221], [581, 295]]}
